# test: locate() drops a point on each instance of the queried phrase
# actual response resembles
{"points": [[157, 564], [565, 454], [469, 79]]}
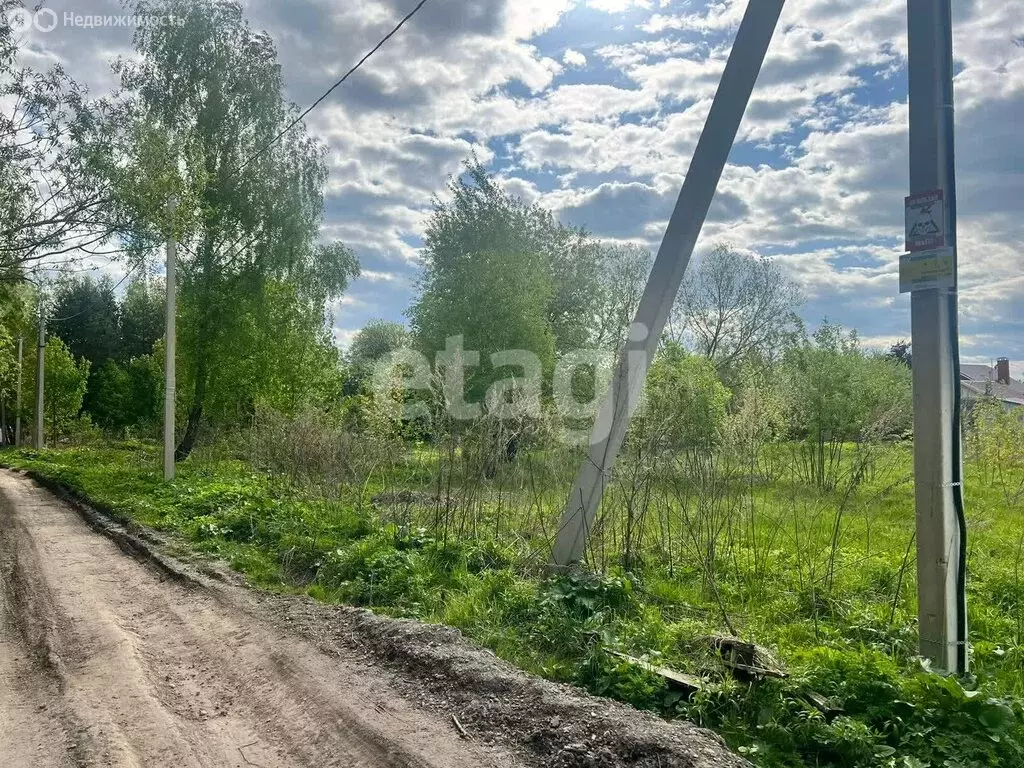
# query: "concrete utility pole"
{"points": [[40, 376], [716, 140], [17, 400], [170, 343], [942, 619]]}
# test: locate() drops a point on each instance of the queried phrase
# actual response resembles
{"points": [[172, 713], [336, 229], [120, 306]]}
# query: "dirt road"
{"points": [[102, 663], [111, 660]]}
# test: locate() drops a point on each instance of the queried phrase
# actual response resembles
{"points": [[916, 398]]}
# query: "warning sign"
{"points": [[925, 221], [929, 269]]}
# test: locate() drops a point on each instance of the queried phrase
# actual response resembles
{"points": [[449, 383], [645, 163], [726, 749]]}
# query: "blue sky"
{"points": [[593, 107]]}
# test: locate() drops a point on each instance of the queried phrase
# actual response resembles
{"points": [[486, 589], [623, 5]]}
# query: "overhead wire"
{"points": [[255, 155], [119, 283], [330, 90]]}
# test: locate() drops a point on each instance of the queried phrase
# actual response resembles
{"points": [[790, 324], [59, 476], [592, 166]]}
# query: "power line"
{"points": [[309, 109], [330, 90], [118, 285]]}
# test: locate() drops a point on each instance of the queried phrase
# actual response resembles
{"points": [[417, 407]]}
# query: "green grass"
{"points": [[842, 619]]}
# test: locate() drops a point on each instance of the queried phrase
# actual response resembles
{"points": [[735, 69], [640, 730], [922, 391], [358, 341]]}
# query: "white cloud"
{"points": [[617, 6], [573, 58], [819, 178], [375, 276]]}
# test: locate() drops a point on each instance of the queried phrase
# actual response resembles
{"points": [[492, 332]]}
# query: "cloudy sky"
{"points": [[593, 108]]}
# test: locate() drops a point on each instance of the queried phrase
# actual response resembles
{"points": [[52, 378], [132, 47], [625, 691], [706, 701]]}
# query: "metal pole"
{"points": [[17, 407], [40, 376], [937, 475], [170, 340], [709, 158]]}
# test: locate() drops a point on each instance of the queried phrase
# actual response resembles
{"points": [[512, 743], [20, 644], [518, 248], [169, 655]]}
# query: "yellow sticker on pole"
{"points": [[927, 269]]}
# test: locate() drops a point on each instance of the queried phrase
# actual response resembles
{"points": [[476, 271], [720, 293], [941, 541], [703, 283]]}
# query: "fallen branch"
{"points": [[246, 759], [458, 725]]}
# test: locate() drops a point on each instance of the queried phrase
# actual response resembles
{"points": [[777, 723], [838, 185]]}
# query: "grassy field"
{"points": [[818, 567]]}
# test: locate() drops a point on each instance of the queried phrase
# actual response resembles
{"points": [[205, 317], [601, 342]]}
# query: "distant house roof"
{"points": [[977, 373], [981, 381]]}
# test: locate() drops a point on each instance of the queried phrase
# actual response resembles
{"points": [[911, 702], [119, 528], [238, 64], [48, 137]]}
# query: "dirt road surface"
{"points": [[109, 660]]}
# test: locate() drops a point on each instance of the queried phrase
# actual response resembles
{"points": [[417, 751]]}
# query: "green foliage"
{"points": [[142, 318], [686, 392], [127, 396], [206, 95], [505, 262], [744, 533], [64, 390], [836, 393], [495, 301], [375, 340], [85, 318], [14, 324]]}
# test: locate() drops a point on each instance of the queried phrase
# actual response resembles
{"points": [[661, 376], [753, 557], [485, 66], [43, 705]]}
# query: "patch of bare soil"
{"points": [[107, 660]]}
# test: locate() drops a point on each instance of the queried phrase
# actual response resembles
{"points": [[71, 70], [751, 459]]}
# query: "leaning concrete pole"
{"points": [[40, 376], [741, 71], [942, 622], [170, 344]]}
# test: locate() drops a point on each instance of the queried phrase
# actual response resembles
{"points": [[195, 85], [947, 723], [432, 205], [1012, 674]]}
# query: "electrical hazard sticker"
{"points": [[925, 221]]}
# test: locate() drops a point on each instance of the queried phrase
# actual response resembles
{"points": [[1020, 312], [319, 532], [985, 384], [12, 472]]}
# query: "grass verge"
{"points": [[843, 642]]}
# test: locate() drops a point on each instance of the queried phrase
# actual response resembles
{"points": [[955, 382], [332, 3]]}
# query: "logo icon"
{"points": [[46, 19], [22, 19], [19, 19]]}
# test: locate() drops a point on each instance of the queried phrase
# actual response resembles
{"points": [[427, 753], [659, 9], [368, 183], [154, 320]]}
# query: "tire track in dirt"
{"points": [[105, 663]]}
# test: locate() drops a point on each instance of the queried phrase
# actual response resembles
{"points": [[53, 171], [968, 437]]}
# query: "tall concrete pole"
{"points": [[709, 158], [17, 401], [40, 376], [942, 620], [170, 344]]}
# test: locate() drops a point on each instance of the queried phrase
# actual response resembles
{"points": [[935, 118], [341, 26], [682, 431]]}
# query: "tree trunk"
{"points": [[195, 413], [202, 352]]}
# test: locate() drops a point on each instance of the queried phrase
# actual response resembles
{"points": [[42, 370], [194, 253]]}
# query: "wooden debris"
{"points": [[747, 659], [821, 703], [680, 680], [458, 725]]}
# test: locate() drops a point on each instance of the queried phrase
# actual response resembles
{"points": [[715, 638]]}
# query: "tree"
{"points": [[280, 356], [622, 277], [206, 120], [496, 301], [128, 395], [54, 165], [836, 393], [901, 353], [377, 339], [481, 219], [686, 395], [66, 379], [85, 318], [733, 307], [142, 318], [16, 301]]}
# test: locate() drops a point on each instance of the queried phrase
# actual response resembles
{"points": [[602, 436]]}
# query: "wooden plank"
{"points": [[678, 679]]}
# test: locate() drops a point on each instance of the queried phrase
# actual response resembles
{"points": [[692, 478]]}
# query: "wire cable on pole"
{"points": [[116, 286], [330, 90]]}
